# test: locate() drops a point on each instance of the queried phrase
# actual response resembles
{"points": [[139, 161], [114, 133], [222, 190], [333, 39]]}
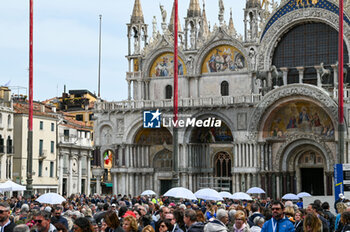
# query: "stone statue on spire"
{"points": [[221, 11]]}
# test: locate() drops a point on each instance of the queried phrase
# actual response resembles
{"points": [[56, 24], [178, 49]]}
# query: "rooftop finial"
{"points": [[221, 11], [137, 14], [194, 9]]}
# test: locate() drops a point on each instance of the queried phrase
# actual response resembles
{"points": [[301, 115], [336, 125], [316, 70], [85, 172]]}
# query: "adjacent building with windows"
{"points": [[45, 177], [74, 155], [274, 88], [6, 134]]}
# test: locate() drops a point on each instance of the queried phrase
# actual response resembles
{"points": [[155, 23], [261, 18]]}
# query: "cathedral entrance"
{"points": [[312, 181], [222, 172], [165, 185]]}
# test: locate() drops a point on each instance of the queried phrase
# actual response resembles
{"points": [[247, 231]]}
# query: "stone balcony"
{"points": [[184, 102]]}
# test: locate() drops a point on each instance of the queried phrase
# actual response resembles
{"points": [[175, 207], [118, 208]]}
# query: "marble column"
{"points": [[249, 181], [278, 190], [137, 184], [284, 182], [129, 90], [292, 189], [131, 185], [234, 183], [235, 146], [88, 185], [319, 81], [251, 155], [79, 173], [143, 182], [254, 180], [285, 75], [61, 174], [98, 185], [115, 184], [238, 189], [301, 74], [190, 184], [197, 86], [70, 179], [123, 184], [139, 94], [335, 75]]}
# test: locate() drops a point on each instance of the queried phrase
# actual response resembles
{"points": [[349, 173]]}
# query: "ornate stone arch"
{"points": [[309, 92], [220, 40], [284, 153], [130, 133], [271, 38], [150, 59], [214, 154], [106, 134], [201, 115]]}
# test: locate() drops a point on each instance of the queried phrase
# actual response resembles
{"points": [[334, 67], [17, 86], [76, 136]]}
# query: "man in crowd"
{"points": [[328, 215], [57, 217], [218, 224], [190, 219], [255, 213], [42, 221], [278, 222], [6, 225], [162, 213], [316, 209], [171, 218]]}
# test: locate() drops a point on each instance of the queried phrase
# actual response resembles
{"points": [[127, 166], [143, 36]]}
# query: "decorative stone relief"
{"points": [[120, 126], [242, 121]]}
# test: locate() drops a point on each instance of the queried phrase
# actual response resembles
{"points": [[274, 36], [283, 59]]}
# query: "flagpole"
{"points": [[341, 127], [30, 113], [175, 129]]}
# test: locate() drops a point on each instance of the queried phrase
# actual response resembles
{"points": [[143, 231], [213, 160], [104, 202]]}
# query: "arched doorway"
{"points": [[311, 168], [222, 171], [163, 162]]}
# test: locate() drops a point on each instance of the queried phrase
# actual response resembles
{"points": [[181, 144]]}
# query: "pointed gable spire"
{"points": [[194, 9], [231, 26], [205, 22], [172, 19], [137, 15]]}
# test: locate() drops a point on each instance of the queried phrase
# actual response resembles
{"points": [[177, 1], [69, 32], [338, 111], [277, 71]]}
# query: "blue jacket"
{"points": [[283, 225]]}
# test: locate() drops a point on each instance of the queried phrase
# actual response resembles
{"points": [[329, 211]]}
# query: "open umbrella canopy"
{"points": [[255, 190], [148, 193], [290, 196], [224, 194], [303, 194], [208, 194], [51, 198], [11, 186], [180, 192], [241, 196]]}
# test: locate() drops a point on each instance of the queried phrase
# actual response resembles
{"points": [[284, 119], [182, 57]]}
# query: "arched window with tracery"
{"points": [[222, 165], [224, 88]]}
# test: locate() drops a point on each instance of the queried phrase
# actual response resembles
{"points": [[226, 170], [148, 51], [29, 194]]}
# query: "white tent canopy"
{"points": [[10, 186]]}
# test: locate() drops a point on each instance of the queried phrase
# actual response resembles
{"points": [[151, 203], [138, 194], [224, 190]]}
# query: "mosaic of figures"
{"points": [[163, 66], [223, 58], [211, 135], [148, 136], [299, 117]]}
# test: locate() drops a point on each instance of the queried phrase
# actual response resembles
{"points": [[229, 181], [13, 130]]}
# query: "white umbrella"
{"points": [[180, 192], [208, 194], [303, 194], [11, 186], [255, 190], [241, 196], [290, 196], [51, 198], [224, 194], [148, 192]]}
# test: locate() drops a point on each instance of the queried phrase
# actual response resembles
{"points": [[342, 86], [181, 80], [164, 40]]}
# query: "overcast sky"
{"points": [[66, 42]]}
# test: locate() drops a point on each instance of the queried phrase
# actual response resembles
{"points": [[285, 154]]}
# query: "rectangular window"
{"points": [[41, 144], [52, 146], [51, 169], [52, 127], [41, 125], [79, 117], [40, 172]]}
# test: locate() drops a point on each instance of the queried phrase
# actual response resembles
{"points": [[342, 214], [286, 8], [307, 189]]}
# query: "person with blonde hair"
{"points": [[312, 223], [289, 212], [130, 224], [148, 228], [240, 222], [298, 224]]}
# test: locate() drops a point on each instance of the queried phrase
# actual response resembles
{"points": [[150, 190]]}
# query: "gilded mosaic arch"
{"points": [[203, 54], [288, 21], [163, 66], [295, 90]]}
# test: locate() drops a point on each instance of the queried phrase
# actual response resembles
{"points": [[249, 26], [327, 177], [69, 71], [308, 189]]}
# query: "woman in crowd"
{"points": [[345, 220], [130, 224], [148, 228], [211, 212], [165, 226], [258, 224], [289, 212], [82, 225], [312, 223], [112, 222], [240, 222], [298, 224]]}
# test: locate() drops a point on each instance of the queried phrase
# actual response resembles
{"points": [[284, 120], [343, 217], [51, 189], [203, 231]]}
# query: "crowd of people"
{"points": [[80, 213]]}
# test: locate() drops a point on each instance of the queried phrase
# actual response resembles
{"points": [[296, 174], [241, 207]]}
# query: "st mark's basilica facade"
{"points": [[274, 88]]}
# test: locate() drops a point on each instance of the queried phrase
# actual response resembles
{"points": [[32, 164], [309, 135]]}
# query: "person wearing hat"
{"points": [[340, 199]]}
